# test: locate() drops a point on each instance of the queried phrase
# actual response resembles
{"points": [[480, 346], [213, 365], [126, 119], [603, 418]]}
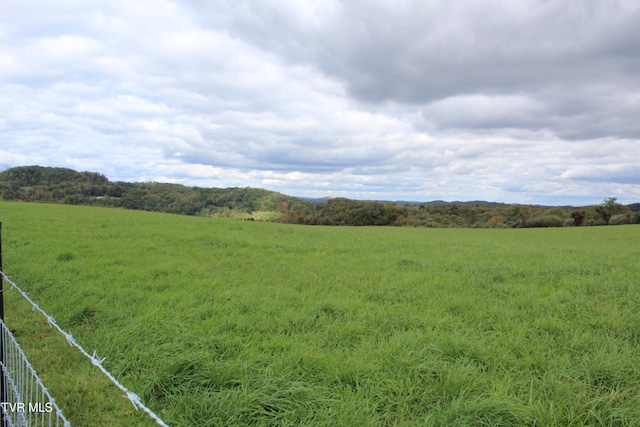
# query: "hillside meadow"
{"points": [[226, 322]]}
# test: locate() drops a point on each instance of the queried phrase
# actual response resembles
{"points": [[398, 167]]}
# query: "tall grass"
{"points": [[220, 322]]}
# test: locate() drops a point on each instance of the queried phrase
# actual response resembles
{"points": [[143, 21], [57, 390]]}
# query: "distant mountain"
{"points": [[315, 201], [324, 200]]}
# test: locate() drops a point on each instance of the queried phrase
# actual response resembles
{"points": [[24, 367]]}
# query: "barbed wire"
{"points": [[95, 360]]}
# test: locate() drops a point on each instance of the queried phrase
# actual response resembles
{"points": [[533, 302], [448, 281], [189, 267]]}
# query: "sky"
{"points": [[515, 101]]}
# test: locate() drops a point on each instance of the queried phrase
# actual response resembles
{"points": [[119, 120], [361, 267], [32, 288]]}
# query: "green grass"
{"points": [[221, 322]]}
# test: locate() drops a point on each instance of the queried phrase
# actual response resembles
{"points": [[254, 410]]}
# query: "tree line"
{"points": [[61, 185], [486, 215]]}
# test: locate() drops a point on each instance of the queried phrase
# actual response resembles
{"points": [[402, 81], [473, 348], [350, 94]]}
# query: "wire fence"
{"points": [[26, 401], [95, 360]]}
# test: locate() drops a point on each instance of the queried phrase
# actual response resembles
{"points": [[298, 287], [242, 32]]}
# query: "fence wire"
{"points": [[95, 360], [27, 401]]}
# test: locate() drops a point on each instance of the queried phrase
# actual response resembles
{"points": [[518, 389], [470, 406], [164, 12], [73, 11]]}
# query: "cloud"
{"points": [[623, 174], [483, 112], [524, 102]]}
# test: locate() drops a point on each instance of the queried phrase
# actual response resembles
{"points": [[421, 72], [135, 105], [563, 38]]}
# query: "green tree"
{"points": [[610, 207]]}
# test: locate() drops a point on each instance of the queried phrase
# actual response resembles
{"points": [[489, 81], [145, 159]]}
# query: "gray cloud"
{"points": [[527, 101], [572, 62]]}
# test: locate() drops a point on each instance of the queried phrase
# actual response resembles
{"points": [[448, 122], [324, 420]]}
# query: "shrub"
{"points": [[578, 217], [496, 221], [620, 219], [545, 221]]}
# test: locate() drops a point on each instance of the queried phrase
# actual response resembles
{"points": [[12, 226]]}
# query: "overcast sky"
{"points": [[514, 101]]}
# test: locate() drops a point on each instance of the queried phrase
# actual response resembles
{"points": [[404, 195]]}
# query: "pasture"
{"points": [[225, 322]]}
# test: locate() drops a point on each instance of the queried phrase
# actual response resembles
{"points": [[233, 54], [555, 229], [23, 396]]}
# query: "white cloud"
{"points": [[519, 102], [483, 112]]}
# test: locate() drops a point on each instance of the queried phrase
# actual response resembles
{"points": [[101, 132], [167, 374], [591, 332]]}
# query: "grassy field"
{"points": [[222, 322]]}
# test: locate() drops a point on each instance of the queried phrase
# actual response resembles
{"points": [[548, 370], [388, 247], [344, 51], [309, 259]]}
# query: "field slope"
{"points": [[222, 322]]}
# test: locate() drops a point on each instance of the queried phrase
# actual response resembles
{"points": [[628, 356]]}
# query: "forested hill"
{"points": [[61, 185]]}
